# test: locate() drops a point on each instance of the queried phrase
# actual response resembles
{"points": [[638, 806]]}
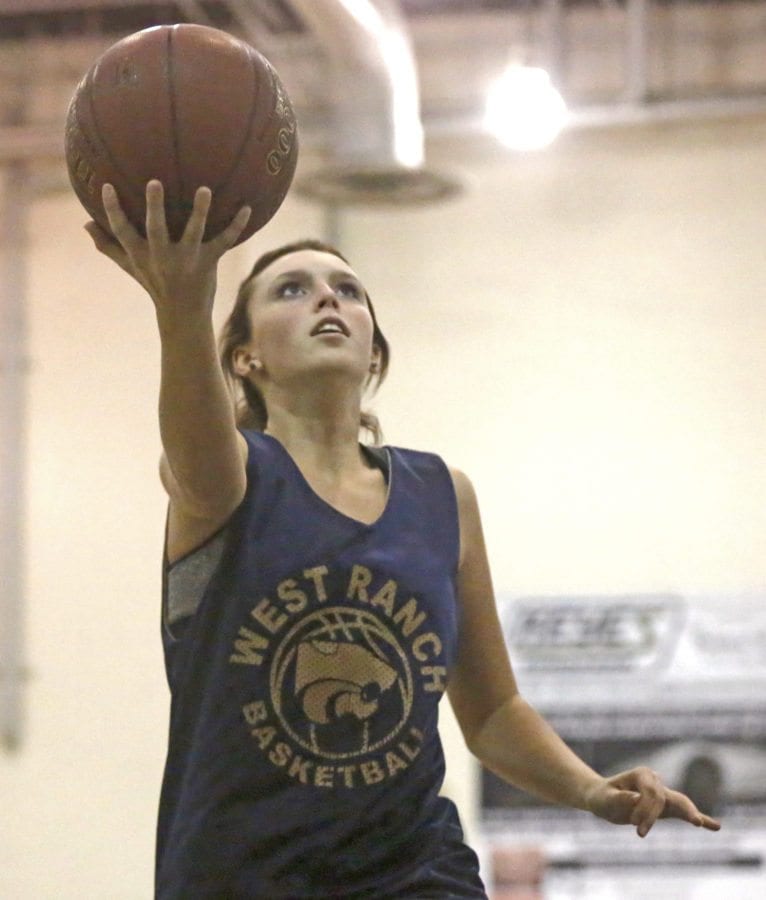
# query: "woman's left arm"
{"points": [[507, 735]]}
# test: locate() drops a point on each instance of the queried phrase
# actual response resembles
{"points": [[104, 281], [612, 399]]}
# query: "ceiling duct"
{"points": [[375, 138]]}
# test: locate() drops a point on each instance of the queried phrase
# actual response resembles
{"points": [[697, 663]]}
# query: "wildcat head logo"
{"points": [[341, 683]]}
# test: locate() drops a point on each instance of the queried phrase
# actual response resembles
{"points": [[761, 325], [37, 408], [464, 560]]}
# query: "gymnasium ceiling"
{"points": [[615, 61]]}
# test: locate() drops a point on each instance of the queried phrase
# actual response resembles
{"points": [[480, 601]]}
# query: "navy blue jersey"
{"points": [[306, 654]]}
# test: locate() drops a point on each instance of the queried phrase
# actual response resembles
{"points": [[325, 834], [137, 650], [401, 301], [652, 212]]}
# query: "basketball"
{"points": [[191, 106]]}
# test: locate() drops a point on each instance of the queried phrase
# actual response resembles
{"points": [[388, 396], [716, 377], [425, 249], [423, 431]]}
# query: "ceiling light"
{"points": [[524, 110]]}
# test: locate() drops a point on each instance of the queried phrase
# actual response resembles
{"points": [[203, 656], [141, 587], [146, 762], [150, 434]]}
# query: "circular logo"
{"points": [[341, 684]]}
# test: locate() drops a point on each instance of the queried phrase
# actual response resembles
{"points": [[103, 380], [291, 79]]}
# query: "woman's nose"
{"points": [[326, 297]]}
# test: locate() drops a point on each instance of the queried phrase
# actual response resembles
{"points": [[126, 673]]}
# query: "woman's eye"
{"points": [[291, 289], [349, 289]]}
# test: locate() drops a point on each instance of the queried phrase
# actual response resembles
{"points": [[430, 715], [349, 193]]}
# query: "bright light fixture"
{"points": [[524, 110]]}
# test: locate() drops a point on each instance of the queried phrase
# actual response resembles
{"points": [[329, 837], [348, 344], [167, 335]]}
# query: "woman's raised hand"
{"points": [[638, 797], [179, 276]]}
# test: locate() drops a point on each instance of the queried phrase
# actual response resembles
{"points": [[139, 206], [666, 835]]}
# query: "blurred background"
{"points": [[557, 207]]}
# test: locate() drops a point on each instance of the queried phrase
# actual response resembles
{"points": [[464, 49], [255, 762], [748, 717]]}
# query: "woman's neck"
{"points": [[321, 432]]}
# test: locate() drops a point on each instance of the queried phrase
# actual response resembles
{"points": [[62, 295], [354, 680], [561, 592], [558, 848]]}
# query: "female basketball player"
{"points": [[320, 596]]}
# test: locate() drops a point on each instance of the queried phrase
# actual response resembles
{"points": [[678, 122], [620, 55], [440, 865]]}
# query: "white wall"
{"points": [[582, 332]]}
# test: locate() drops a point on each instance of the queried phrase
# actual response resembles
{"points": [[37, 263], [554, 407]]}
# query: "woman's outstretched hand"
{"points": [[179, 276], [638, 797]]}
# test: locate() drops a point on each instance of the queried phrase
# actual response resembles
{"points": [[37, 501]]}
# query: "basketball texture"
{"points": [[191, 106]]}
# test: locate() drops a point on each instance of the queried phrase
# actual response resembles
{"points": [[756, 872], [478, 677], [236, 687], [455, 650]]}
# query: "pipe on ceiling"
{"points": [[373, 79], [375, 140]]}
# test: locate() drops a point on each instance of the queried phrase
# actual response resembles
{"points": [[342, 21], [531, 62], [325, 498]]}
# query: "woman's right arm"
{"points": [[203, 465]]}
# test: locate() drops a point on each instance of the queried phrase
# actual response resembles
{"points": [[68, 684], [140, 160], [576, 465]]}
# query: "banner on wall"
{"points": [[676, 683]]}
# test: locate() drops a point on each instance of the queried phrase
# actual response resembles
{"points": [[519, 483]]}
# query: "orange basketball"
{"points": [[190, 106]]}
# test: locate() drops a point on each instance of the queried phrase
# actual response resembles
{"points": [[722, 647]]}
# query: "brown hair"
{"points": [[249, 405]]}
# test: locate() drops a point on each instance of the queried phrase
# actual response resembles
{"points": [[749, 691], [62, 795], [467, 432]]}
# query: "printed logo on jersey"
{"points": [[341, 683], [346, 654]]}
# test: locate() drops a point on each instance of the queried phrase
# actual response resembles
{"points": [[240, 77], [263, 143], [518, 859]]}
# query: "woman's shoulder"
{"points": [[412, 454], [425, 457], [259, 447], [253, 437], [427, 460]]}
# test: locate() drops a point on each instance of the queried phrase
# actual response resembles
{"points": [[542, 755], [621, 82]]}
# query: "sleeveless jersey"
{"points": [[306, 654]]}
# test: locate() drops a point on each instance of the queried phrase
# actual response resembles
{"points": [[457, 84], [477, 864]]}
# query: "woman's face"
{"points": [[309, 314]]}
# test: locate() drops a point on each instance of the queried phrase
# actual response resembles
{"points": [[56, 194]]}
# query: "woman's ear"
{"points": [[375, 361], [245, 363]]}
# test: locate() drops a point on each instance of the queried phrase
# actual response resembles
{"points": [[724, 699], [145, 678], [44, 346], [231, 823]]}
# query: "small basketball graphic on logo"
{"points": [[341, 683]]}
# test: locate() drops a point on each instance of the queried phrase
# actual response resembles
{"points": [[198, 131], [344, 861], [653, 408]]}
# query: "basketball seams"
{"points": [[169, 71], [248, 127], [246, 132], [273, 93], [262, 70], [328, 626], [96, 133]]}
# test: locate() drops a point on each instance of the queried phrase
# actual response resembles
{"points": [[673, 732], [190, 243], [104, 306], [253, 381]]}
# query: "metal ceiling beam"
{"points": [[617, 115], [25, 7], [45, 143]]}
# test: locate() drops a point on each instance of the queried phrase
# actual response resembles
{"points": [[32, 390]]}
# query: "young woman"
{"points": [[320, 597]]}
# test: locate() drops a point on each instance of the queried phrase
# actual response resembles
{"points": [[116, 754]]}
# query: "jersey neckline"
{"points": [[325, 503]]}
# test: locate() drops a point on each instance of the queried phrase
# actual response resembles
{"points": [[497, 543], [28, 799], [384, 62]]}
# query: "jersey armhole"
{"points": [[186, 580]]}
